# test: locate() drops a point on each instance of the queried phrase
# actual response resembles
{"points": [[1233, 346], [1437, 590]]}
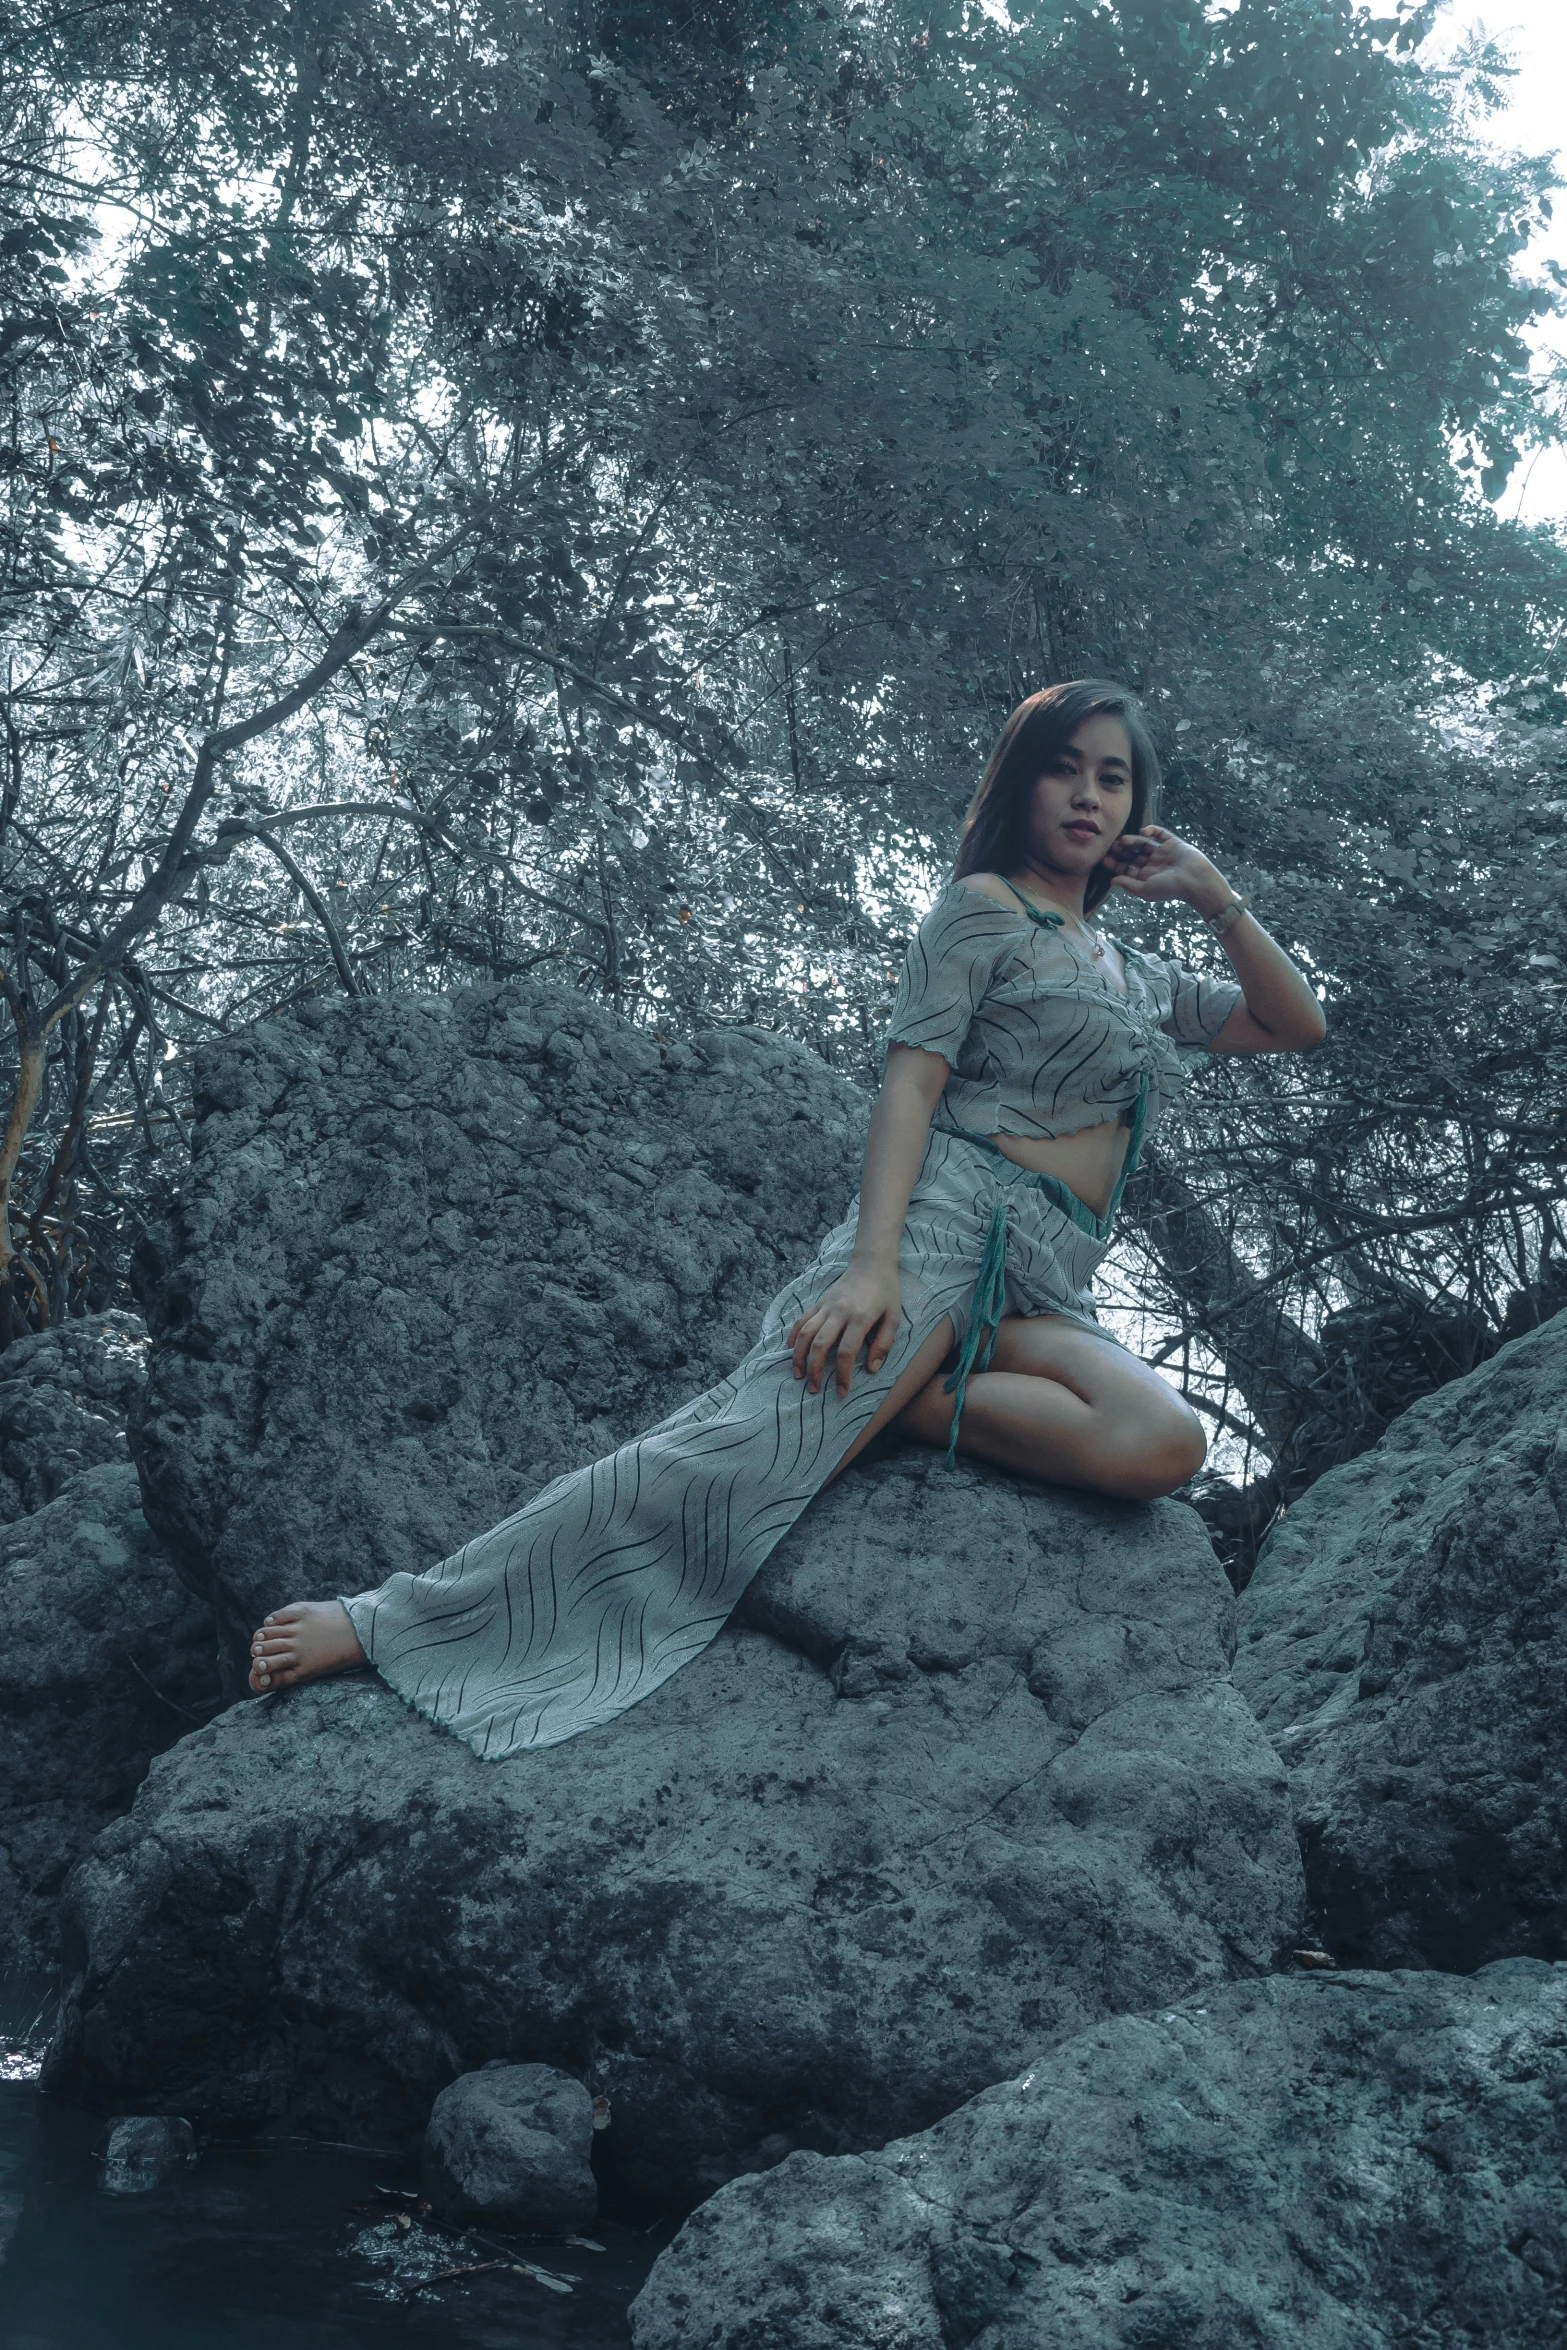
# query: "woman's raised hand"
{"points": [[1157, 863], [863, 1308]]}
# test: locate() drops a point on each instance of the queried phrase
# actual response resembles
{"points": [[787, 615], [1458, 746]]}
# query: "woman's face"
{"points": [[1084, 798]]}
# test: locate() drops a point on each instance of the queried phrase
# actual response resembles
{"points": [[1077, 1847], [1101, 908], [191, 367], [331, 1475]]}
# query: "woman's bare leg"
{"points": [[300, 1643], [1062, 1403]]}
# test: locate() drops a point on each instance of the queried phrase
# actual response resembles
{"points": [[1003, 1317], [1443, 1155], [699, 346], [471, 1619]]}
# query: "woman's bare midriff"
{"points": [[1088, 1162]]}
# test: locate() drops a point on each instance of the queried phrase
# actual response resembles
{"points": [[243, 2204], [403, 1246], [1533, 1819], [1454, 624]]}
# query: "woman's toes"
{"points": [[272, 1657], [301, 1642]]}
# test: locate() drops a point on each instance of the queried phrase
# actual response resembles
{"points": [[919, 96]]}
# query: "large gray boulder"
{"points": [[64, 1397], [1347, 2162], [965, 1775], [105, 1660], [433, 1251], [1404, 1641]]}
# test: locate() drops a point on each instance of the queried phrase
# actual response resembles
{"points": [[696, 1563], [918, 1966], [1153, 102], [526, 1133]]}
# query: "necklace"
{"points": [[1095, 938]]}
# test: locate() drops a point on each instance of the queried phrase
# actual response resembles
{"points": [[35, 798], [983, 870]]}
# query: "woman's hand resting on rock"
{"points": [[863, 1308]]}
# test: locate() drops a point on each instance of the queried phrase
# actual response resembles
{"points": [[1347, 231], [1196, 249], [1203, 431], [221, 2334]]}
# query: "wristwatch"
{"points": [[1227, 915]]}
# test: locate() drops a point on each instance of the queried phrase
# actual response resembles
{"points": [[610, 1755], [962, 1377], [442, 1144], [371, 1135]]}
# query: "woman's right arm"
{"points": [[865, 1304]]}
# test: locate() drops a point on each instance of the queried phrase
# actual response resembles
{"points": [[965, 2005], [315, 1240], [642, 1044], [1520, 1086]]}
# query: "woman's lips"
{"points": [[1083, 831]]}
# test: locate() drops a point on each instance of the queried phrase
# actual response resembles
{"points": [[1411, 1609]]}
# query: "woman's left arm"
{"points": [[1280, 1014]]}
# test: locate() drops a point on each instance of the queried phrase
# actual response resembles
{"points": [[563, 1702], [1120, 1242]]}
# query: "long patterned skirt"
{"points": [[614, 1576]]}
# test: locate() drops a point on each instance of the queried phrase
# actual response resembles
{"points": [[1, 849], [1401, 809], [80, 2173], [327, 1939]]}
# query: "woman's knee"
{"points": [[1154, 1453]]}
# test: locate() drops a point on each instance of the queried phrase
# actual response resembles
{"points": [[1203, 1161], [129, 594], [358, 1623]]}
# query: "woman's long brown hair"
{"points": [[995, 829]]}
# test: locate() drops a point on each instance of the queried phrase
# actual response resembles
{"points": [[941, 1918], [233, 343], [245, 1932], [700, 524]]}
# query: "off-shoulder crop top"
{"points": [[1037, 1035]]}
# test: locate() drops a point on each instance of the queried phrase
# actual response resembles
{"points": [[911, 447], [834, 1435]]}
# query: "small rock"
{"points": [[144, 2149], [508, 2146]]}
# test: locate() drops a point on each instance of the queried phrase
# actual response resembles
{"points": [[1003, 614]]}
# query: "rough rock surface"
{"points": [[1345, 2162], [1404, 1641], [433, 1251], [965, 1774], [105, 1660], [508, 2147], [64, 1397]]}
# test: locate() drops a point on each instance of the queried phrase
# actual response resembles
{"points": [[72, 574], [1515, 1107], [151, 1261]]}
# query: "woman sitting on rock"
{"points": [[1028, 1059]]}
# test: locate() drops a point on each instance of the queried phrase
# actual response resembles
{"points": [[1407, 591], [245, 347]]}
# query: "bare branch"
{"points": [[353, 634], [317, 904]]}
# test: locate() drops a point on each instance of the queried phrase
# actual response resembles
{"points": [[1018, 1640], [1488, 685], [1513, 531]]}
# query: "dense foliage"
{"points": [[577, 487]]}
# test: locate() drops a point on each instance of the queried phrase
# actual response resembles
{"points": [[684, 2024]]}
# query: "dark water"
{"points": [[291, 2247]]}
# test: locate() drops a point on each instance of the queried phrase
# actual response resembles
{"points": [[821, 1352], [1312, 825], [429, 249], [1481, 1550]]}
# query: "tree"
{"points": [[725, 413]]}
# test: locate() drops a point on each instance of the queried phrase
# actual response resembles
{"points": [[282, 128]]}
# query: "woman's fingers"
{"points": [[822, 1345], [879, 1345], [839, 1340], [816, 1361], [847, 1351], [799, 1339], [837, 1331], [875, 1333], [1156, 875]]}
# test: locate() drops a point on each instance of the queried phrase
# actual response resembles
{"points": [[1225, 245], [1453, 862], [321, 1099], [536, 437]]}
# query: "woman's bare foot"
{"points": [[300, 1643]]}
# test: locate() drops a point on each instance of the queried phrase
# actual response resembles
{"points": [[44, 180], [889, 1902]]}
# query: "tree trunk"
{"points": [[1268, 1355]]}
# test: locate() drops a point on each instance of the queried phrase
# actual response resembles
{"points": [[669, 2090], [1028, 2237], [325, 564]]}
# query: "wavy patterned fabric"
{"points": [[1039, 1038], [567, 1613]]}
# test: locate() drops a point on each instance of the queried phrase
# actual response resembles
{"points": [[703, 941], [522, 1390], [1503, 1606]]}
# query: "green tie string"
{"points": [[990, 1291]]}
